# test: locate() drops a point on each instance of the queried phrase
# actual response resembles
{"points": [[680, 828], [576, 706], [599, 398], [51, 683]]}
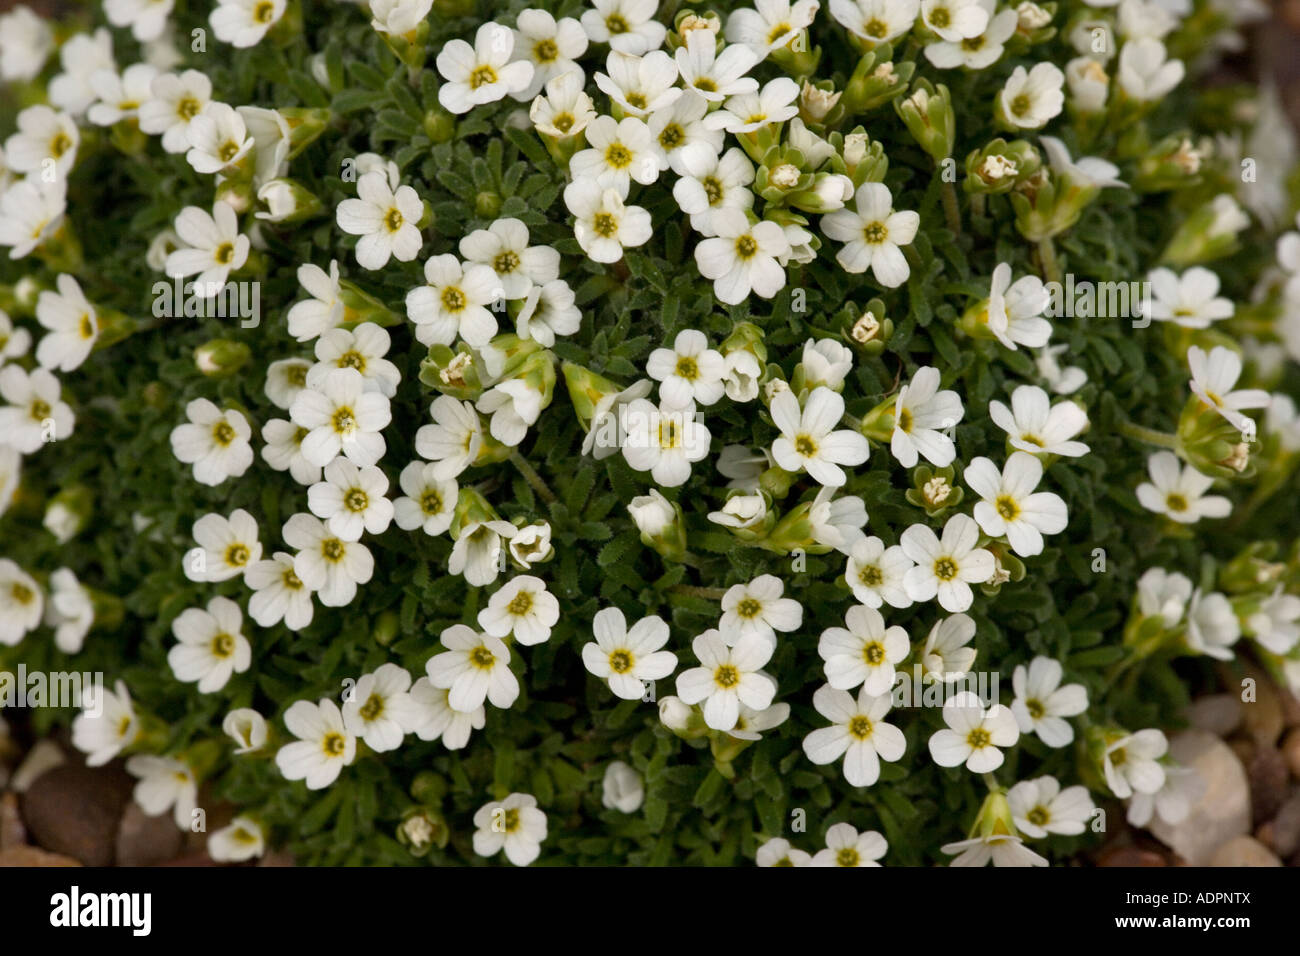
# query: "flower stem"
{"points": [[533, 478], [1148, 435], [951, 210], [1047, 256]]}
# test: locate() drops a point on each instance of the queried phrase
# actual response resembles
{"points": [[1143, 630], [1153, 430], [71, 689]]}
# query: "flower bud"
{"points": [[929, 117], [220, 358], [68, 512], [287, 201], [660, 523]]}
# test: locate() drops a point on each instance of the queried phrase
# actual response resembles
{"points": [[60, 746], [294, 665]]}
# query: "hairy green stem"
{"points": [[533, 478]]}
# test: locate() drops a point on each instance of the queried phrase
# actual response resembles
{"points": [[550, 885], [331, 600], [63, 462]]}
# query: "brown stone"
{"points": [[1263, 715], [1221, 812], [143, 840], [74, 810], [12, 831], [33, 856], [1268, 784], [1219, 714], [1290, 708], [1284, 829], [1243, 851], [1244, 749], [1130, 856]]}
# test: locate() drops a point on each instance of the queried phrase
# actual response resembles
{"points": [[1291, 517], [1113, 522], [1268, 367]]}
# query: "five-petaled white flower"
{"points": [[482, 73], [664, 440], [475, 667], [514, 824], [323, 748], [1041, 704], [351, 500], [379, 709], [626, 657], [522, 607], [727, 677], [920, 411], [877, 575], [809, 439], [213, 247], [974, 735], [227, 547], [1033, 424], [1214, 382], [690, 371], [215, 442], [845, 846], [858, 733], [1031, 98], [211, 646], [72, 322], [1179, 493], [325, 563], [387, 220], [1040, 807], [863, 653], [758, 608], [454, 302], [341, 418], [602, 223], [1010, 506]]}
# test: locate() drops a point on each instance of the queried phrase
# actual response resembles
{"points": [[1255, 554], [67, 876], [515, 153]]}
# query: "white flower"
{"points": [[1031, 98], [14, 342], [363, 348], [386, 220], [628, 26], [1191, 301], [1212, 625], [778, 851], [651, 513], [219, 139], [215, 442], [247, 728], [213, 247], [1089, 84], [279, 593], [858, 733], [772, 25], [1002, 849], [751, 723], [876, 21], [743, 257], [522, 607], [1040, 807], [551, 46], [758, 608], [625, 658], [72, 322], [549, 311], [1015, 310], [954, 20], [1214, 381], [973, 735], [227, 547], [1163, 593], [1011, 507], [1180, 493], [620, 151], [70, 611], [475, 667], [25, 43], [482, 73], [1274, 624], [1034, 425], [211, 646], [602, 224], [1145, 72], [80, 57], [351, 500], [1131, 763], [1172, 803], [44, 135], [947, 656], [863, 654], [776, 102], [873, 235], [341, 418], [514, 824], [727, 677], [845, 846], [688, 372], [323, 748], [621, 788], [21, 602], [454, 302], [107, 723], [437, 720], [565, 110], [826, 363], [946, 568], [164, 784], [514, 406], [477, 551], [120, 96], [664, 440], [453, 441], [531, 544], [285, 378], [877, 574], [243, 23], [240, 841], [325, 563], [1041, 704], [31, 212], [712, 75], [283, 451], [711, 184], [920, 410], [640, 85], [980, 51], [837, 522], [324, 310], [1087, 170], [398, 17], [1062, 381], [503, 246], [379, 710], [428, 503]]}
